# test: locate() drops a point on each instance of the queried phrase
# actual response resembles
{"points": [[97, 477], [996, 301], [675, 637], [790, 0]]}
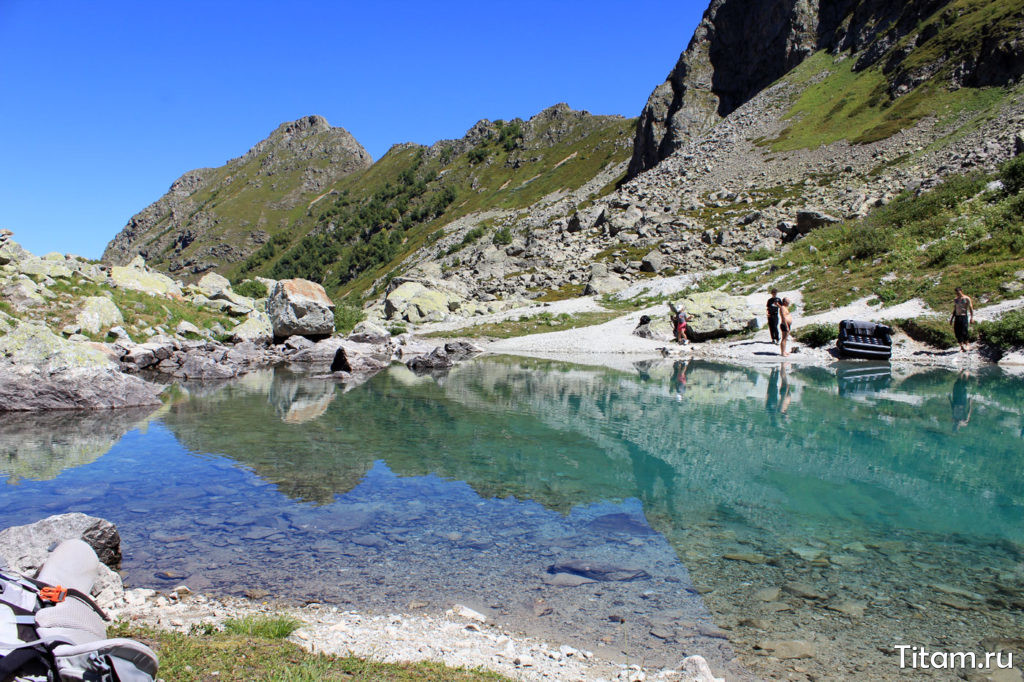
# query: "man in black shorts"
{"points": [[962, 317], [773, 315]]}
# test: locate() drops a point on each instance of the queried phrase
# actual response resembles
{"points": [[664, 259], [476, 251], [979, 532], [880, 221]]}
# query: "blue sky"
{"points": [[105, 104]]}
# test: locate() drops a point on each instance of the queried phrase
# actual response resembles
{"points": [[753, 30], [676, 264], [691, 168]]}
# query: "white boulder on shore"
{"points": [[298, 307]]}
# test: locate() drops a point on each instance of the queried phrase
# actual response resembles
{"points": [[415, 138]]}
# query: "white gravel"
{"points": [[460, 637]]}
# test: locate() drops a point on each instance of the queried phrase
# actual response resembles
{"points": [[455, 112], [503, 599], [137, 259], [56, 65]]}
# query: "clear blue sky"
{"points": [[105, 104]]}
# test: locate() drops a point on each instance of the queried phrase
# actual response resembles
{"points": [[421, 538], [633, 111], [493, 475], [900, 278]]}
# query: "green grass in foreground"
{"points": [[231, 656], [526, 325]]}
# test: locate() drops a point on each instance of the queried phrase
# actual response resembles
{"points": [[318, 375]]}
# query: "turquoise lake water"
{"points": [[855, 508]]}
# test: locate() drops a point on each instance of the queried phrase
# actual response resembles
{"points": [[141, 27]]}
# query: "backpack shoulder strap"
{"points": [[27, 660]]}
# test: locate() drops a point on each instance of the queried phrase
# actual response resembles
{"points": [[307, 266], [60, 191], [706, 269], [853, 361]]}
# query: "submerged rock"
{"points": [[598, 571]]}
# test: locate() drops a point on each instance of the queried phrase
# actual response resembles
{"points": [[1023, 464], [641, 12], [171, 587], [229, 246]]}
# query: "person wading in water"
{"points": [[962, 318]]}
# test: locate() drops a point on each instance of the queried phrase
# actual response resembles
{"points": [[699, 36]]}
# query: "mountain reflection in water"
{"points": [[879, 495]]}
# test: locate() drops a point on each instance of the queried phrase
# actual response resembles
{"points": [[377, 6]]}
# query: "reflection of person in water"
{"points": [[961, 403], [679, 368], [779, 396]]}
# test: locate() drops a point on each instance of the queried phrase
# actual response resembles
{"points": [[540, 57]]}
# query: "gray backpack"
{"points": [[51, 630]]}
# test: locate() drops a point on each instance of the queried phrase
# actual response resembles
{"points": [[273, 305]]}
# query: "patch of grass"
{"points": [[266, 627], [140, 310], [532, 324], [346, 317], [251, 288], [502, 237], [1005, 333], [225, 656], [856, 105], [562, 293], [932, 329], [817, 335], [758, 254]]}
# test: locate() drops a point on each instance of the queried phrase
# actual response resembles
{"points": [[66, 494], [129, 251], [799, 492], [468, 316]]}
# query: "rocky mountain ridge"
{"points": [[212, 215], [740, 48], [304, 201]]}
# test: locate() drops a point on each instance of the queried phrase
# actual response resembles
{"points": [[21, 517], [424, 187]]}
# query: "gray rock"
{"points": [[807, 221], [255, 329], [653, 262], [300, 307], [25, 548], [198, 365], [787, 649], [185, 328], [98, 313], [716, 314], [369, 332], [596, 570]]}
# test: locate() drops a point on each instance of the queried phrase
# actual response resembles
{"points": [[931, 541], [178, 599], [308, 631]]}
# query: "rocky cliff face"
{"points": [[214, 216], [742, 46]]}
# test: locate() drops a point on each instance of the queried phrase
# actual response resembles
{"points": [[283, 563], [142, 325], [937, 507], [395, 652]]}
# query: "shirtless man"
{"points": [[785, 324], [962, 318]]}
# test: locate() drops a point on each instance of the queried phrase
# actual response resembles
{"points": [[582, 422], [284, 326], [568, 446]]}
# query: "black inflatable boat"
{"points": [[867, 340]]}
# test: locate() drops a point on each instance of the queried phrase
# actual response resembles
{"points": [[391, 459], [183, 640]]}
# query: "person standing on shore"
{"points": [[679, 319], [785, 325], [962, 318], [773, 315]]}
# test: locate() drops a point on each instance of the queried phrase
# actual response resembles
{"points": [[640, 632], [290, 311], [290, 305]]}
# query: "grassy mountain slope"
{"points": [[372, 220], [215, 215]]}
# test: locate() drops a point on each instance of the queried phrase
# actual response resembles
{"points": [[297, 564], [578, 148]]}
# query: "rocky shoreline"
{"points": [[458, 637]]}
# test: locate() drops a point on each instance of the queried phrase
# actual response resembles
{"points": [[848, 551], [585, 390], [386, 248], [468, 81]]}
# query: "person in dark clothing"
{"points": [[962, 317], [773, 315]]}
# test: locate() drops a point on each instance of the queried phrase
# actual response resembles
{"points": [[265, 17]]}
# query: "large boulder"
{"points": [[25, 548], [98, 313], [415, 302], [12, 252], [654, 261], [716, 314], [300, 307], [443, 357], [42, 371], [137, 277], [256, 329], [212, 284], [23, 293], [806, 222], [602, 281], [43, 267], [34, 345]]}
